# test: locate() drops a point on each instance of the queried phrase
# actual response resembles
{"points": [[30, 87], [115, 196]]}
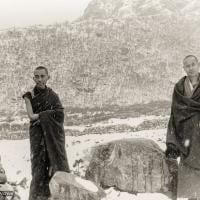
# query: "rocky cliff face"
{"points": [[122, 8], [105, 57]]}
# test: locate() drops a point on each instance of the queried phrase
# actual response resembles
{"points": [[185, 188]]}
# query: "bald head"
{"points": [[42, 68], [190, 56]]}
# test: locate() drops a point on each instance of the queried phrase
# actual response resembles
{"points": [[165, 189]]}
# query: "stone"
{"points": [[6, 192], [65, 186], [3, 177], [131, 165]]}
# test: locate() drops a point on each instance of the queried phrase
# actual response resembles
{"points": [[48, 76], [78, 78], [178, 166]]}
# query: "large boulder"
{"points": [[65, 186], [131, 165]]}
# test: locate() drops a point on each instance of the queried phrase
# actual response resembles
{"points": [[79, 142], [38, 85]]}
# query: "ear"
{"points": [[184, 69], [34, 79]]}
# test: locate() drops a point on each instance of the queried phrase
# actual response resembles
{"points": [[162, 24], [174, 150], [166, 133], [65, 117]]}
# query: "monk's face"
{"points": [[40, 77], [191, 66]]}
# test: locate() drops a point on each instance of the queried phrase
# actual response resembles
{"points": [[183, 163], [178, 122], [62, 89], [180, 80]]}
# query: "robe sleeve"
{"points": [[28, 95], [52, 126], [51, 122], [172, 150]]}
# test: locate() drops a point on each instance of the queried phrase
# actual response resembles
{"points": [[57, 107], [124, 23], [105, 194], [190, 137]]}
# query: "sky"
{"points": [[22, 13]]}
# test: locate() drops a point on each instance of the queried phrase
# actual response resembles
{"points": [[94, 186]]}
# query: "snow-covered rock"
{"points": [[65, 186]]}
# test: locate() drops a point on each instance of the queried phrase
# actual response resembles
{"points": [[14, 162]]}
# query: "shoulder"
{"points": [[179, 86], [180, 82], [52, 93], [50, 90], [55, 100]]}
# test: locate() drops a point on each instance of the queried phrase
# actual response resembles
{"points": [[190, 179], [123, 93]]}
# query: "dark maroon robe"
{"points": [[47, 142], [184, 125]]}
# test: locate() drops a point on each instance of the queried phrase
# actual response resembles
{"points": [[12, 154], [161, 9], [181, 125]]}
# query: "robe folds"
{"points": [[183, 126], [47, 142]]}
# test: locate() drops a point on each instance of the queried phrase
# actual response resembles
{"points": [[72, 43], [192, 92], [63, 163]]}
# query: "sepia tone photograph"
{"points": [[100, 100]]}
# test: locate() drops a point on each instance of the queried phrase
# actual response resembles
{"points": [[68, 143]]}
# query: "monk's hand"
{"points": [[172, 151], [27, 95], [172, 154], [34, 117], [187, 143]]}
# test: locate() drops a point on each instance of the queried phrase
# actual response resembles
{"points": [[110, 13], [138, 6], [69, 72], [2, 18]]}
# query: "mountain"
{"points": [[103, 58], [103, 9]]}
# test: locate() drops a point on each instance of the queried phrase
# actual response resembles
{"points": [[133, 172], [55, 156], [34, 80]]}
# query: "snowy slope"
{"points": [[15, 156]]}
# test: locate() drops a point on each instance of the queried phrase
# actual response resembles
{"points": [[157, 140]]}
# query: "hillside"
{"points": [[95, 62]]}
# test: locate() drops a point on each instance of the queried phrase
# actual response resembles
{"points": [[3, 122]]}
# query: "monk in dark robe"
{"points": [[183, 135], [47, 137]]}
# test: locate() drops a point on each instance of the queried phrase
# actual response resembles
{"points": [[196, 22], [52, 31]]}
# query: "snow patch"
{"points": [[87, 184], [78, 128], [112, 194], [132, 121]]}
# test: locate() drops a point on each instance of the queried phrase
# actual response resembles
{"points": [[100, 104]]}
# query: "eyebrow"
{"points": [[39, 75]]}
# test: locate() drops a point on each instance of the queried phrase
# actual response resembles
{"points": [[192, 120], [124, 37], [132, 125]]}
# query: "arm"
{"points": [[172, 151], [29, 109]]}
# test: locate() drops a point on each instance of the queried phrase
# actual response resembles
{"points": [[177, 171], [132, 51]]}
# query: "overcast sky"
{"points": [[20, 13]]}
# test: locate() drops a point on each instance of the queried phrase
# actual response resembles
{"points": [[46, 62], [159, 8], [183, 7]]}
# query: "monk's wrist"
{"points": [[34, 117]]}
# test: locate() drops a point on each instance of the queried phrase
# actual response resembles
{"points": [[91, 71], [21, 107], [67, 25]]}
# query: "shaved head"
{"points": [[190, 56], [42, 67]]}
